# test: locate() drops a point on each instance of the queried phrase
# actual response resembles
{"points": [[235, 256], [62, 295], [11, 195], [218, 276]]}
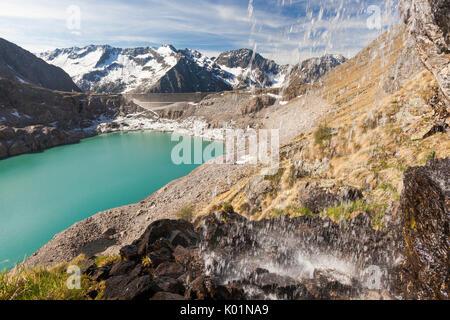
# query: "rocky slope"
{"points": [[19, 64], [168, 70]]}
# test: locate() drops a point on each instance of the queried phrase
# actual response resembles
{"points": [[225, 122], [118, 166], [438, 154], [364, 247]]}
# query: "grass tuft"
{"points": [[323, 134], [42, 283], [186, 212]]}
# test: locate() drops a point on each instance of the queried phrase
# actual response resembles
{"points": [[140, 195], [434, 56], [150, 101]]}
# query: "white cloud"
{"points": [[210, 27]]}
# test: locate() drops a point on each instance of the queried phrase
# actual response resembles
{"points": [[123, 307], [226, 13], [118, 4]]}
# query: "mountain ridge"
{"points": [[165, 69], [19, 64]]}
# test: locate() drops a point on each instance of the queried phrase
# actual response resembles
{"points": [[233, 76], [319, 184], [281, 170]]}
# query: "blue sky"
{"points": [[285, 30]]}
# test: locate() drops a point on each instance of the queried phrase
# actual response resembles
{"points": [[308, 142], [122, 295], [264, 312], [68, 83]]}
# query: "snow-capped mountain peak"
{"points": [[102, 68]]}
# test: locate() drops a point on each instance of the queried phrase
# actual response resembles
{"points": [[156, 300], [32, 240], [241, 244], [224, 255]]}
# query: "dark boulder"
{"points": [[122, 268], [129, 253], [177, 232], [169, 269], [207, 288], [130, 288], [155, 258], [114, 287], [167, 284], [425, 207]]}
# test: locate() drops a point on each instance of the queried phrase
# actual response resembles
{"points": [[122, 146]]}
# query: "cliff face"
{"points": [[19, 64], [428, 23]]}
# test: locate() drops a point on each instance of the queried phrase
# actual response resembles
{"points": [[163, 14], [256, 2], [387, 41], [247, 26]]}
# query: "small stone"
{"points": [[129, 253], [169, 269], [165, 296]]}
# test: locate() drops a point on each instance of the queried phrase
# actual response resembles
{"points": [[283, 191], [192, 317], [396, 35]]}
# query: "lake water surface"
{"points": [[44, 193]]}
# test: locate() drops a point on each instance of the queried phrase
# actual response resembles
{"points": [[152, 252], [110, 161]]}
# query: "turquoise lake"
{"points": [[44, 193]]}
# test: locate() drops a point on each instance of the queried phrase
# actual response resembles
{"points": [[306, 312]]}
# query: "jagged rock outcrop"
{"points": [[19, 64], [425, 209], [229, 257], [428, 23]]}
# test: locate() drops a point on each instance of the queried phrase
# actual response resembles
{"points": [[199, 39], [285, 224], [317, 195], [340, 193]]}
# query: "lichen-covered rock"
{"points": [[129, 252], [425, 207]]}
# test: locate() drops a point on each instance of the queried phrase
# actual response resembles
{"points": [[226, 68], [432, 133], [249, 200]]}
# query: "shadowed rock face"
{"points": [[19, 64], [425, 207], [441, 12], [242, 58]]}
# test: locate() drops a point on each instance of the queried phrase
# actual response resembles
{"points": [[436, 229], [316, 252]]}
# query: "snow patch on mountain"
{"points": [[108, 69]]}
